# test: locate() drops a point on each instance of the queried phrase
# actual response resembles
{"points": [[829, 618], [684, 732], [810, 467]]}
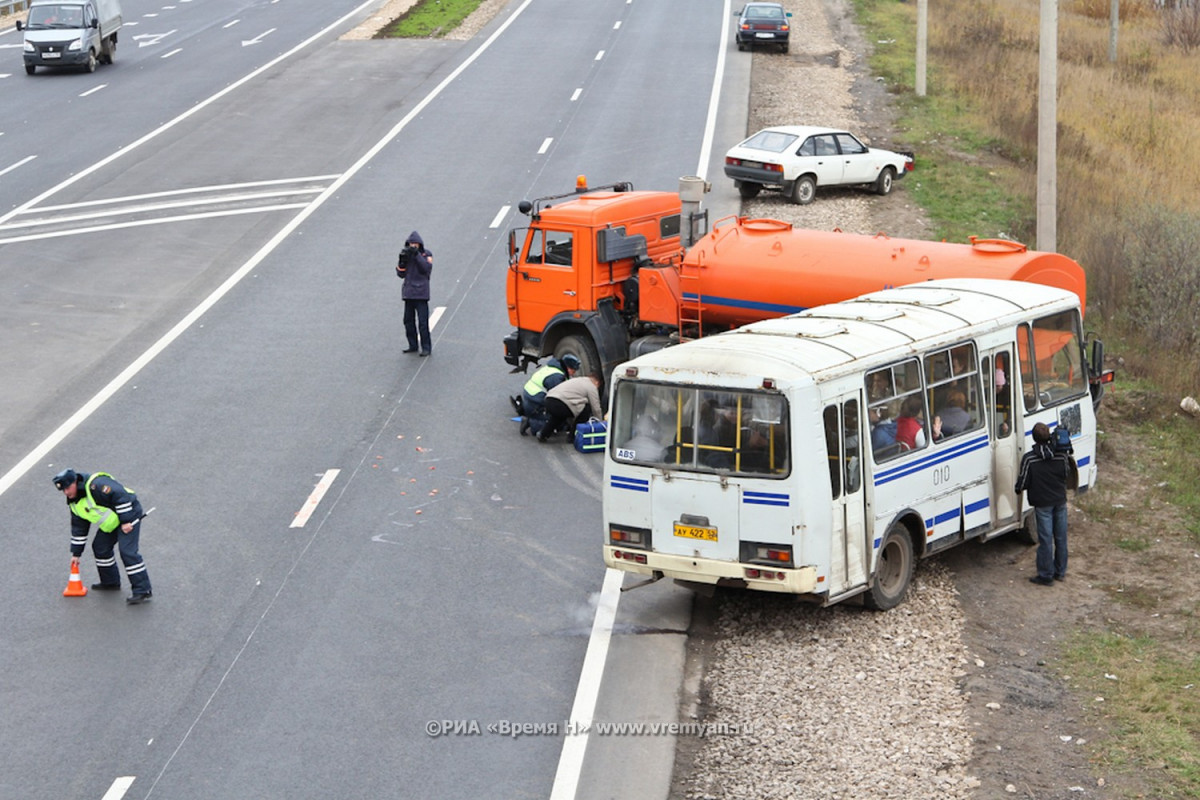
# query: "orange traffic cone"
{"points": [[75, 587]]}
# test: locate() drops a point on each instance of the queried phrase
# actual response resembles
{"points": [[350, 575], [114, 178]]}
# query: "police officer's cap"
{"points": [[571, 362], [64, 479]]}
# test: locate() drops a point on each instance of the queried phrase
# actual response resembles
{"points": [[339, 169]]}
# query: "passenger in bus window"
{"points": [[953, 414], [883, 430], [910, 425], [645, 444], [878, 386]]}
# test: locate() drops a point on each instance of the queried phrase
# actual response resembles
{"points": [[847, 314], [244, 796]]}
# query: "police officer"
{"points": [[100, 500], [531, 405]]}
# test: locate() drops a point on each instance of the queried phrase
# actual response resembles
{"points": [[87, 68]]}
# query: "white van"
{"points": [[70, 33], [822, 454]]}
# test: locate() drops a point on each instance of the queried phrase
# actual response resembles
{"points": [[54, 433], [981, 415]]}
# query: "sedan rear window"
{"points": [[774, 141]]}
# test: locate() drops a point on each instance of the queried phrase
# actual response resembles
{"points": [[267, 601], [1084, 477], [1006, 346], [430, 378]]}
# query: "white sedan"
{"points": [[796, 159]]}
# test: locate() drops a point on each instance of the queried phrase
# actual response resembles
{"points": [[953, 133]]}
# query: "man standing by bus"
{"points": [[1044, 474]]}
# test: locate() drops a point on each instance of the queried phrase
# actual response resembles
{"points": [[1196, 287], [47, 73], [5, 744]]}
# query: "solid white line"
{"points": [[119, 787], [570, 763], [545, 146], [23, 161], [93, 89], [714, 98], [500, 215], [314, 499], [137, 223]]}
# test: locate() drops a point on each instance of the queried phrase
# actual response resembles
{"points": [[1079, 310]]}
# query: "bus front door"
{"points": [[850, 548], [1002, 397]]}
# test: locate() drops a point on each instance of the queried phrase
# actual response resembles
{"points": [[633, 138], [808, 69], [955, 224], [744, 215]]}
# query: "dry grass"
{"points": [[1128, 159]]}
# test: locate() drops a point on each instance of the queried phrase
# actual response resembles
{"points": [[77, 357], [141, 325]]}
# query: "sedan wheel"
{"points": [[804, 189], [883, 184]]}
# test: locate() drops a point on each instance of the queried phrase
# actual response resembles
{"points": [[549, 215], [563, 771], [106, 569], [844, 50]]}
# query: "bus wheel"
{"points": [[1027, 533], [582, 348], [893, 572]]}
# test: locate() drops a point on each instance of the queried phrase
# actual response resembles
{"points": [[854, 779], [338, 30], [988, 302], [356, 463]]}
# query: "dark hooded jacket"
{"points": [[1044, 475], [416, 279]]}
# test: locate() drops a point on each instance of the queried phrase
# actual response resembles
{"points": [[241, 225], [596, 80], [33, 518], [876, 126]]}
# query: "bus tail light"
{"points": [[621, 555], [764, 574], [778, 555], [629, 537]]}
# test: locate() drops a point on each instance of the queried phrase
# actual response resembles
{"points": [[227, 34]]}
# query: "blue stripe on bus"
{"points": [[730, 302], [765, 499], [978, 505], [933, 459], [632, 484]]}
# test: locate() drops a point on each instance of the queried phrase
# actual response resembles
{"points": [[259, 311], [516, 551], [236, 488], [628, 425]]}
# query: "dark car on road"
{"points": [[763, 23]]}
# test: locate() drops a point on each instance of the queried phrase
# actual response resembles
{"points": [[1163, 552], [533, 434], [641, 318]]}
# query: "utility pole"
{"points": [[1114, 19], [1047, 158], [922, 43]]}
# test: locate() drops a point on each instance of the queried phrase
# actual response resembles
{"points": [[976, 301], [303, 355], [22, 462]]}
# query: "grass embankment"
{"points": [[1129, 212], [429, 19]]}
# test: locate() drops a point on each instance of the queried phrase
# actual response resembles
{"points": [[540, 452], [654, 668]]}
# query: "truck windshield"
{"points": [[701, 429], [56, 17]]}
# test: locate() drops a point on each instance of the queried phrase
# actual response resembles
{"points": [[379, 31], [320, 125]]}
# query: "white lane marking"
{"points": [[230, 24], [435, 316], [119, 787], [714, 97], [104, 162], [258, 39], [137, 223], [545, 145], [314, 499], [599, 56], [173, 52], [142, 207], [570, 763], [22, 162], [500, 215], [617, 25], [145, 39], [575, 94], [216, 187], [93, 89]]}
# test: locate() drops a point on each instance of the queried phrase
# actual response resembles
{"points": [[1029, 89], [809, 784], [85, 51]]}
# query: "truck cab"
{"points": [[70, 33], [572, 270]]}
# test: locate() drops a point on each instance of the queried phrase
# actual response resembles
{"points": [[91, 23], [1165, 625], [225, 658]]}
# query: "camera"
{"points": [[406, 256]]}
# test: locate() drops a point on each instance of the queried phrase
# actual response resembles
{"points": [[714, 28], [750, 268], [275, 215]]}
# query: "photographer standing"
{"points": [[414, 266]]}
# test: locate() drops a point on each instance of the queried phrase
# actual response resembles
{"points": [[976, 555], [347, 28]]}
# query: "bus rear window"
{"points": [[700, 429]]}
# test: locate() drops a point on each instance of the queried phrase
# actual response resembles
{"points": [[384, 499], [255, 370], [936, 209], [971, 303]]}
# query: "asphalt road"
{"points": [[211, 316]]}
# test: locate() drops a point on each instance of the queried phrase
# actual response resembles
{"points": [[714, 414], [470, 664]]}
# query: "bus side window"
{"points": [[853, 458], [833, 447]]}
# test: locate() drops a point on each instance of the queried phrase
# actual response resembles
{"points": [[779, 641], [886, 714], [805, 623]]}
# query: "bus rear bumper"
{"points": [[798, 580]]}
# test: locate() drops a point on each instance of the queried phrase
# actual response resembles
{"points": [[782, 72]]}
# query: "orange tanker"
{"points": [[604, 274]]}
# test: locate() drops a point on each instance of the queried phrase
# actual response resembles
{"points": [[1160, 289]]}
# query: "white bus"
{"points": [[820, 454]]}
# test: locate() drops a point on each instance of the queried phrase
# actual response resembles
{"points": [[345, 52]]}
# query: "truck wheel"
{"points": [[804, 189], [883, 184], [30, 69], [748, 191], [90, 66], [584, 349], [110, 50], [893, 572]]}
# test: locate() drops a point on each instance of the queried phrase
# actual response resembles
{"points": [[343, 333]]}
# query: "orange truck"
{"points": [[607, 274]]}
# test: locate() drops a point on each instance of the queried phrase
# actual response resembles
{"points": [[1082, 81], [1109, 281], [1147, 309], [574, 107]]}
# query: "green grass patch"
{"points": [[1151, 708], [429, 19], [958, 179]]}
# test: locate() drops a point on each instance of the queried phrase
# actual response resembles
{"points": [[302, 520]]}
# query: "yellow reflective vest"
{"points": [[533, 386], [85, 507]]}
